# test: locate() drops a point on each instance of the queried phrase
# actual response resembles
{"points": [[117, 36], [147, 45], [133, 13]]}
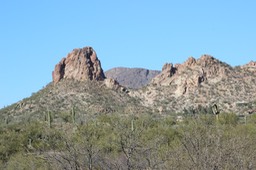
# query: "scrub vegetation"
{"points": [[121, 141]]}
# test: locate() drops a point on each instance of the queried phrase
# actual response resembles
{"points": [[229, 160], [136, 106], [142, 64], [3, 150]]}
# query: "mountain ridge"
{"points": [[194, 86], [202, 82]]}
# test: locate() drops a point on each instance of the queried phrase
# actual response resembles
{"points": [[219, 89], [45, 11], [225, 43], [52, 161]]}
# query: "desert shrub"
{"points": [[28, 161], [219, 145], [11, 142], [228, 119], [121, 141]]}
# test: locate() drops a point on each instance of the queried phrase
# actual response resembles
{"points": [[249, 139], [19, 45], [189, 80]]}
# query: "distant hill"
{"points": [[134, 78]]}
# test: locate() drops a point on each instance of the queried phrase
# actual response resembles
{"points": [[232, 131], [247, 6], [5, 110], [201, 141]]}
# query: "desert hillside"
{"points": [[196, 115]]}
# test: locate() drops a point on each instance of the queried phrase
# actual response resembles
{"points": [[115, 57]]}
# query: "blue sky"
{"points": [[35, 35]]}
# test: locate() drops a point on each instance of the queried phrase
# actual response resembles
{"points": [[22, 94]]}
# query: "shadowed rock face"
{"points": [[81, 64]]}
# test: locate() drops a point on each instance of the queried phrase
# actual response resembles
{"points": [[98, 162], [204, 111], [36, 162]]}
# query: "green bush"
{"points": [[28, 161]]}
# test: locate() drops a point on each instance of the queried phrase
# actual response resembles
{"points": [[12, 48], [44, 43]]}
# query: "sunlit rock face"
{"points": [[81, 64]]}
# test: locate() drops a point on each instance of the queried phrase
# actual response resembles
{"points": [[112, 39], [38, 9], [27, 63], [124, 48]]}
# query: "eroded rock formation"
{"points": [[189, 75], [81, 64]]}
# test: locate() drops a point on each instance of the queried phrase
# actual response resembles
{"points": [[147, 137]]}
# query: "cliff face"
{"points": [[81, 64]]}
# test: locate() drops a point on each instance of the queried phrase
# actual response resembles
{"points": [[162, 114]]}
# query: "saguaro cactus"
{"points": [[215, 111], [7, 120], [132, 124], [73, 115], [48, 118]]}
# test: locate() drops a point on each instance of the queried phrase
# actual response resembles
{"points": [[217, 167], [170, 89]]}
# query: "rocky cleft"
{"points": [[133, 78]]}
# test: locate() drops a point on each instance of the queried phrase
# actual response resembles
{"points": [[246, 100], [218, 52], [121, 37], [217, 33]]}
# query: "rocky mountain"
{"points": [[80, 86], [134, 78], [82, 65], [197, 84]]}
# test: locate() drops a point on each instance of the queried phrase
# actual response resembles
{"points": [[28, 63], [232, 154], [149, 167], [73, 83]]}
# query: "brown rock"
{"points": [[190, 62], [168, 69], [80, 64], [113, 84], [188, 77], [212, 67], [205, 60], [59, 71], [250, 64]]}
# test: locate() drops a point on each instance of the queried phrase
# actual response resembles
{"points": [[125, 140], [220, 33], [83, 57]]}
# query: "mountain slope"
{"points": [[86, 98]]}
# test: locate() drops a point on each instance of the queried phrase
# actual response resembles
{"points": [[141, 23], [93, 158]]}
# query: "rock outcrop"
{"points": [[113, 84], [81, 64], [251, 64], [191, 73]]}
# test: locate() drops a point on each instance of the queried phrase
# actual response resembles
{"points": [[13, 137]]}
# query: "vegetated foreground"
{"points": [[119, 141]]}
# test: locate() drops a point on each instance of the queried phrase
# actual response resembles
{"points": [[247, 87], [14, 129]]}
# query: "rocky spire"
{"points": [[81, 64]]}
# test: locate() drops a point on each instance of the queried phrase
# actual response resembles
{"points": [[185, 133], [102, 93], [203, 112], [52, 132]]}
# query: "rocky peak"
{"points": [[80, 64], [168, 69], [190, 62], [188, 77], [212, 67], [206, 60], [250, 64]]}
